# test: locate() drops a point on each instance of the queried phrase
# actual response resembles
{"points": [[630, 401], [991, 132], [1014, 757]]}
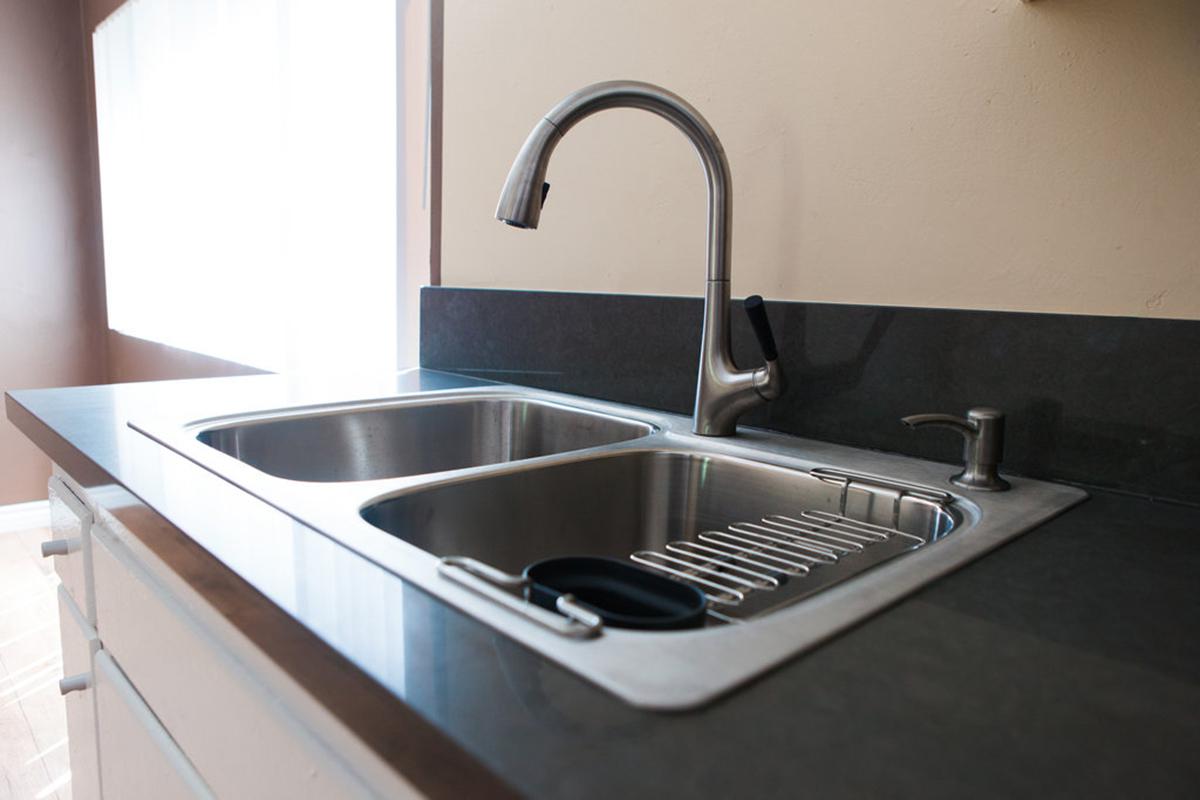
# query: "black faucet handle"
{"points": [[756, 310]]}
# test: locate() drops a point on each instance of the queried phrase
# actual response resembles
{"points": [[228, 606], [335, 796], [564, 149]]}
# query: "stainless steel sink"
{"points": [[792, 539], [395, 439]]}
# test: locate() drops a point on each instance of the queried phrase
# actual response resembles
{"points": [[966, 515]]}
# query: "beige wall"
{"points": [[979, 154], [51, 306], [416, 199]]}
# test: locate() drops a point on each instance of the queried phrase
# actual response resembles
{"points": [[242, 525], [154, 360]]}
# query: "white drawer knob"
{"points": [[58, 547], [75, 683]]}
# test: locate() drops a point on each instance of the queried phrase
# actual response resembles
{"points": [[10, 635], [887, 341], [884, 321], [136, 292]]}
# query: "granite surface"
{"points": [[1103, 401], [1064, 664]]}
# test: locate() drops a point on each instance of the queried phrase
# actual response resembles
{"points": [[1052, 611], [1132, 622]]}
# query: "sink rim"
{"points": [[416, 400], [958, 510]]}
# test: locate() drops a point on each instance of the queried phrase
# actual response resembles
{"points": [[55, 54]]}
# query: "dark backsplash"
{"points": [[1105, 401]]}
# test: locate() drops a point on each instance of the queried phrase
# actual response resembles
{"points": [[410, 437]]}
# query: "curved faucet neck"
{"points": [[580, 105], [723, 391]]}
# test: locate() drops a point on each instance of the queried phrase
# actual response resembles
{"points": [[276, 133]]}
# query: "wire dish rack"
{"points": [[753, 567]]}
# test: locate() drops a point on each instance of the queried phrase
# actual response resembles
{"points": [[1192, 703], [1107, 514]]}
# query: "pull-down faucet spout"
{"points": [[723, 392]]}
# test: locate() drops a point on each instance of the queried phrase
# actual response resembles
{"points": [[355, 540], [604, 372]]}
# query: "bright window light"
{"points": [[248, 175]]}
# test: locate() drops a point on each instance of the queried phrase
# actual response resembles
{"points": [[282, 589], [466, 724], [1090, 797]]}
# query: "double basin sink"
{"points": [[792, 540]]}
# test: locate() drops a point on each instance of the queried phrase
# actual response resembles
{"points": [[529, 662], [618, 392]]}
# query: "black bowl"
{"points": [[623, 594]]}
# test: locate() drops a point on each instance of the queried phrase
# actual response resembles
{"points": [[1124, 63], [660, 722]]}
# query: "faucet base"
{"points": [[986, 484]]}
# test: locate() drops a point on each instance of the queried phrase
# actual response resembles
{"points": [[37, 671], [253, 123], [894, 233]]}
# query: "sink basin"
{"points": [[392, 440], [755, 537]]}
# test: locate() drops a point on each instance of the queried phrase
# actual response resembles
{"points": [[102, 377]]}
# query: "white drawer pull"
{"points": [[75, 683], [59, 547]]}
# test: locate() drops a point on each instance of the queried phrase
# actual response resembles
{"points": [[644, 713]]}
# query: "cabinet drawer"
{"points": [[70, 545], [229, 720], [137, 756], [79, 643]]}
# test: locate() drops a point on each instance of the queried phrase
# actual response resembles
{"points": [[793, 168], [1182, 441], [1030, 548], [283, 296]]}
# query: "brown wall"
{"points": [[94, 12], [51, 310], [132, 359], [53, 327]]}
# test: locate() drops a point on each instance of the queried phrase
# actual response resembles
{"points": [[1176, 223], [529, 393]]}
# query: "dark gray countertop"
{"points": [[1067, 663]]}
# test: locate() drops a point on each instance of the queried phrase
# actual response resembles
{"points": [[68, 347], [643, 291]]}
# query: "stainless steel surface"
{"points": [[648, 502], [394, 439], [673, 493], [846, 479], [723, 392], [983, 446]]}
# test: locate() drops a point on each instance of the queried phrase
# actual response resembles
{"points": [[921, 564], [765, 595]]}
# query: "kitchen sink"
{"points": [[392, 440], [792, 540]]}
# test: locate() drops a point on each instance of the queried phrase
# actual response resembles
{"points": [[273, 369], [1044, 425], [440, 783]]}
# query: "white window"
{"points": [[248, 170]]}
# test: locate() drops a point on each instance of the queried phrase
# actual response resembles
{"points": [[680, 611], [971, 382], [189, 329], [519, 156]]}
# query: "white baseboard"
{"points": [[23, 516]]}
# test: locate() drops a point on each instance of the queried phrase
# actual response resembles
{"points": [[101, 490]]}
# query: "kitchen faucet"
{"points": [[723, 392]]}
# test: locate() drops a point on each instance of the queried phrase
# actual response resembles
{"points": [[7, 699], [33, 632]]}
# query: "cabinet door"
{"points": [[79, 642], [234, 727], [138, 758], [70, 545]]}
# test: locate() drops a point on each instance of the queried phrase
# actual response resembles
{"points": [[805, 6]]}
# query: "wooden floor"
{"points": [[33, 725]]}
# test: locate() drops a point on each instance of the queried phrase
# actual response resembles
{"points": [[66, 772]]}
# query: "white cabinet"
{"points": [[174, 701], [138, 757], [70, 545], [79, 644], [229, 721]]}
